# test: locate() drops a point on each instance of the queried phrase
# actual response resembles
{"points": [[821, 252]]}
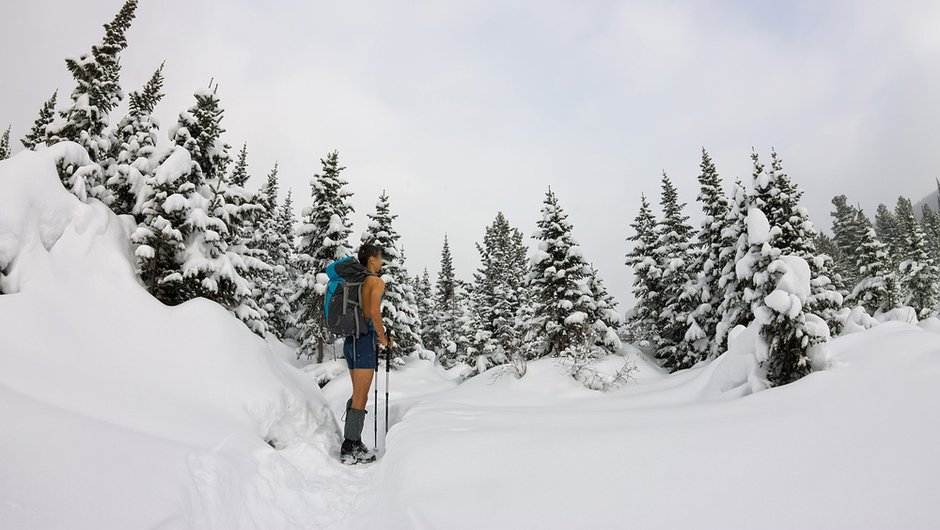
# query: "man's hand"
{"points": [[385, 342]]}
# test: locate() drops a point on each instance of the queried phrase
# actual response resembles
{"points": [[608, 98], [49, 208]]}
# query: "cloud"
{"points": [[461, 109]]}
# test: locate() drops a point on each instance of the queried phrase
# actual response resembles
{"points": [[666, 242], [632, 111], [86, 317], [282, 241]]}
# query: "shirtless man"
{"points": [[363, 359]]}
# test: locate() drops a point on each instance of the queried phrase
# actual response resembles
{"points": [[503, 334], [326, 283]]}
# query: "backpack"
{"points": [[342, 305]]}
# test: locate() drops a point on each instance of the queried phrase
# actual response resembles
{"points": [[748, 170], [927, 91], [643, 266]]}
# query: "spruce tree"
{"points": [[847, 237], [607, 320], [733, 309], [918, 272], [324, 237], [675, 254], [797, 236], [184, 247], [37, 134], [5, 144], [272, 238], [398, 307], [706, 295], [96, 93], [424, 292], [443, 330], [562, 319], [497, 283], [641, 324], [876, 287], [886, 227], [134, 149], [277, 300], [930, 222]]}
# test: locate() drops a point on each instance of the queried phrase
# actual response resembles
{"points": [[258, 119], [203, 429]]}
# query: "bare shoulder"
{"points": [[374, 280]]}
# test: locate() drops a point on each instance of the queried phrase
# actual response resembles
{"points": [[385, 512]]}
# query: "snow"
{"points": [[127, 413], [758, 228], [157, 415]]}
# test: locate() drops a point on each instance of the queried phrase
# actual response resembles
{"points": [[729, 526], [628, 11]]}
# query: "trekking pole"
{"points": [[388, 362], [375, 404]]}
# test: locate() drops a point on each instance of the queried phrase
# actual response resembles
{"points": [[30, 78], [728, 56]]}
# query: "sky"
{"points": [[463, 109]]}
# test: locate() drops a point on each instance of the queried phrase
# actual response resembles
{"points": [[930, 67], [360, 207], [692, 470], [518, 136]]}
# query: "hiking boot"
{"points": [[354, 451]]}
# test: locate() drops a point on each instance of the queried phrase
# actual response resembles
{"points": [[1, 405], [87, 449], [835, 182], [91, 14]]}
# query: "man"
{"points": [[363, 360]]}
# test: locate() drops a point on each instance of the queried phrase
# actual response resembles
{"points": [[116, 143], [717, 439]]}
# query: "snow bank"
{"points": [[849, 447], [121, 412]]}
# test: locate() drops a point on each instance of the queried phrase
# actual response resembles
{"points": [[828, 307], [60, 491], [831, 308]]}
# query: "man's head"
{"points": [[371, 257]]}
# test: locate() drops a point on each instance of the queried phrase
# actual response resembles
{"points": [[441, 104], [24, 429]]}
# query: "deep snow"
{"points": [[120, 412]]}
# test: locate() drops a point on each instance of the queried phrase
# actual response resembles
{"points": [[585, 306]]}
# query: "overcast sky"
{"points": [[462, 109]]}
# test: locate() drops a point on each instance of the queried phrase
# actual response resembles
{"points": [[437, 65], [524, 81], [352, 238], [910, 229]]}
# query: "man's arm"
{"points": [[372, 308]]}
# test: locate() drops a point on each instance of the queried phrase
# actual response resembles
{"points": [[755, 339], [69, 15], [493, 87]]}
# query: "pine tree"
{"points": [[789, 329], [706, 295], [641, 323], [134, 149], [466, 325], [674, 254], [561, 319], [96, 93], [398, 310], [497, 284], [886, 227], [424, 293], [324, 237], [918, 273], [442, 333], [37, 133], [847, 238], [273, 236], [797, 236], [607, 320], [733, 309], [185, 246], [876, 287], [5, 144], [930, 221]]}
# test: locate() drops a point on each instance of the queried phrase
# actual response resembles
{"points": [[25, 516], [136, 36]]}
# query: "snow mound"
{"points": [[124, 412]]}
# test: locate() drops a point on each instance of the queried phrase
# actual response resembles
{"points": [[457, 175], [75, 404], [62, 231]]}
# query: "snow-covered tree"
{"points": [[441, 328], [733, 309], [918, 273], [466, 325], [37, 134], [641, 324], [96, 93], [185, 247], [847, 237], [324, 237], [876, 289], [274, 236], [930, 221], [675, 254], [779, 199], [398, 307], [5, 144], [424, 296], [561, 322], [497, 284], [789, 329], [134, 148], [604, 314], [706, 295], [886, 227]]}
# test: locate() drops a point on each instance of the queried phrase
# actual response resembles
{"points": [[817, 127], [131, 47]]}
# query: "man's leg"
{"points": [[362, 381]]}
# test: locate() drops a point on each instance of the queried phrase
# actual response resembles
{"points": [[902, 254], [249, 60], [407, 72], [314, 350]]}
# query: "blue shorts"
{"points": [[365, 353]]}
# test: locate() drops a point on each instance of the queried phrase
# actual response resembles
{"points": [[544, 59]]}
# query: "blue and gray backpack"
{"points": [[342, 305]]}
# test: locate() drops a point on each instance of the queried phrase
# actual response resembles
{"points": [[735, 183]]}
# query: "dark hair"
{"points": [[366, 251]]}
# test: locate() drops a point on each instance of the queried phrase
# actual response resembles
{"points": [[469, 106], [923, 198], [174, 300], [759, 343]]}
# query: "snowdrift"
{"points": [[851, 446], [121, 412]]}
